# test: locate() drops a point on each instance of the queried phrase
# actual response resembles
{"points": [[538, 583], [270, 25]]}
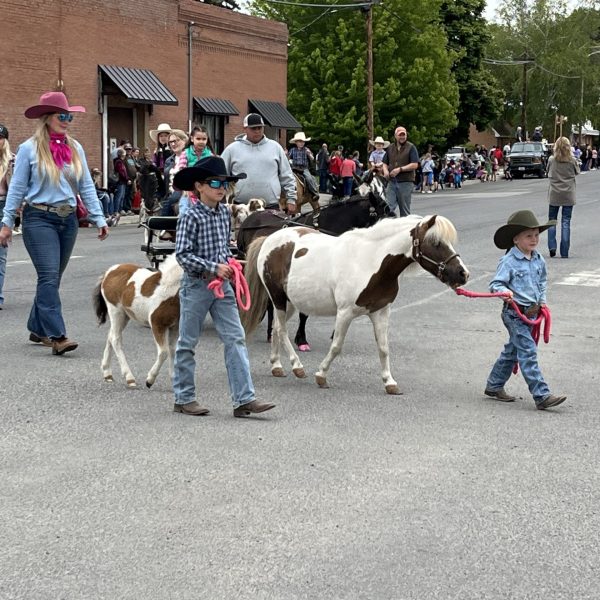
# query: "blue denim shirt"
{"points": [[28, 185], [526, 278]]}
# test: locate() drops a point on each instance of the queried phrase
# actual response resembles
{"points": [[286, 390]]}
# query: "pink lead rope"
{"points": [[544, 315], [242, 293]]}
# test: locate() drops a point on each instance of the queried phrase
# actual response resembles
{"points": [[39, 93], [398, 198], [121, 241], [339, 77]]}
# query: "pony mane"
{"points": [[442, 231]]}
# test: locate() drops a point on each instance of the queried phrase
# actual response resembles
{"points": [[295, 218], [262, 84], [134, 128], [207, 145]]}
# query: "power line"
{"points": [[304, 4]]}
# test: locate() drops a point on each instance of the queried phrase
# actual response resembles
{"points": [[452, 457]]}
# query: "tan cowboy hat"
{"points": [[379, 140], [299, 137], [517, 222], [162, 128]]}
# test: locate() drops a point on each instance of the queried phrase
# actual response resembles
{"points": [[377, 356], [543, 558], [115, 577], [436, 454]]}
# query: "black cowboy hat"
{"points": [[211, 167], [517, 222]]}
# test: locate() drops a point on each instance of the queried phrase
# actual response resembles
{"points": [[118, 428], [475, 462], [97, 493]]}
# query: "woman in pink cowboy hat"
{"points": [[50, 172]]}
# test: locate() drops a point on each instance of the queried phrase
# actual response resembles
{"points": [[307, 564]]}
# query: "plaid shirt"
{"points": [[203, 238], [299, 157]]}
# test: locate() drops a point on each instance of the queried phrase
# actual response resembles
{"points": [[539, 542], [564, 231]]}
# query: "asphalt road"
{"points": [[344, 493]]}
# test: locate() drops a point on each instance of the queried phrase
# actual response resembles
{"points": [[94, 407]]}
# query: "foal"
{"points": [[127, 291]]}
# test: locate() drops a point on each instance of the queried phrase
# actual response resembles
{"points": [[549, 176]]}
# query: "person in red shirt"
{"points": [[347, 172], [335, 168]]}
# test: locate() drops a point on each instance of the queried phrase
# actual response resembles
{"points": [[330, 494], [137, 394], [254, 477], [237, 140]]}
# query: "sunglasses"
{"points": [[215, 184], [65, 117], [171, 142]]}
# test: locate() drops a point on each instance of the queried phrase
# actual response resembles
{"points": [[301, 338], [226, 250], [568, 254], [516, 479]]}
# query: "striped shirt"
{"points": [[203, 238]]}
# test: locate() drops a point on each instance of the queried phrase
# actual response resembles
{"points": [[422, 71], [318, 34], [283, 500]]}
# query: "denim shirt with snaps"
{"points": [[526, 278]]}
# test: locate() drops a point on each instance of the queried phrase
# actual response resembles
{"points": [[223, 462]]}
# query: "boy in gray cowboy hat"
{"points": [[202, 250], [522, 274]]}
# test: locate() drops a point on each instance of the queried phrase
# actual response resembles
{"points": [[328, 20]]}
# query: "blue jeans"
{"points": [[49, 240], [323, 180], [520, 347], [119, 196], [107, 202], [3, 255], [565, 229], [196, 300], [398, 194], [348, 186]]}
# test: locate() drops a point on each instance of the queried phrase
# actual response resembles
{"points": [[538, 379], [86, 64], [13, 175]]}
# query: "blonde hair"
{"points": [[562, 149], [46, 164], [5, 157]]}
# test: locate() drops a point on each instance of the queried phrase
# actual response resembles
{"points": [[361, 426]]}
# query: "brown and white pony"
{"points": [[347, 276], [303, 196], [127, 291], [240, 212]]}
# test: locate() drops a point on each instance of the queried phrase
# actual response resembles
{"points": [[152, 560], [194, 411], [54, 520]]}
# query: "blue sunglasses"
{"points": [[215, 184], [65, 117]]}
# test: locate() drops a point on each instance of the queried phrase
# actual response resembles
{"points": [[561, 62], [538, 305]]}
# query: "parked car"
{"points": [[455, 153], [528, 158]]}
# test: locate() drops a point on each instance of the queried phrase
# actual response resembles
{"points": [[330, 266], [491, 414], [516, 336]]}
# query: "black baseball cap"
{"points": [[253, 120], [3, 132]]}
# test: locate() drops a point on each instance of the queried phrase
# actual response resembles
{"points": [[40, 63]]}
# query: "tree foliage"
{"points": [[562, 78], [327, 82]]}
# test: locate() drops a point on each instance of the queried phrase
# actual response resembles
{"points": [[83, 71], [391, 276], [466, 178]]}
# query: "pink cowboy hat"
{"points": [[51, 102]]}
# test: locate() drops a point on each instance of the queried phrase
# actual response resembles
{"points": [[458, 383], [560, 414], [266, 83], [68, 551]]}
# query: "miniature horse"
{"points": [[302, 269], [361, 210], [127, 291], [303, 195]]}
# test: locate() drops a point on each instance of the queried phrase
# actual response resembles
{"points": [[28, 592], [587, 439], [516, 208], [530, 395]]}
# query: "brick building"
{"points": [[127, 63]]}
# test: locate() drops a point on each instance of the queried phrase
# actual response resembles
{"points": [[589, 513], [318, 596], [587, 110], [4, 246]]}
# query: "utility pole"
{"points": [[370, 125], [524, 102], [189, 76]]}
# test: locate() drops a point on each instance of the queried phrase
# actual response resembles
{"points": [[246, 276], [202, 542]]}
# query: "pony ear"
{"points": [[431, 222]]}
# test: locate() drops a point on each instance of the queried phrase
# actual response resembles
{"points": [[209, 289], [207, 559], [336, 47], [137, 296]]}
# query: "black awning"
{"points": [[215, 106], [137, 85], [275, 114]]}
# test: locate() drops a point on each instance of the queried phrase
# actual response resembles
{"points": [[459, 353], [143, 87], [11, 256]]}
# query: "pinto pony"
{"points": [[127, 291], [302, 269]]}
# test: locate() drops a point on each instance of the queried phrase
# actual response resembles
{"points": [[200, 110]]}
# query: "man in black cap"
{"points": [[265, 163]]}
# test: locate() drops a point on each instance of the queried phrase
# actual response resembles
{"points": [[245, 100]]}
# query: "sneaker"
{"points": [[500, 395], [254, 407], [550, 401], [429, 192], [191, 408]]}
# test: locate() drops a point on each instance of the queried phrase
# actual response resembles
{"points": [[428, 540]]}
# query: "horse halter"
{"points": [[418, 255]]}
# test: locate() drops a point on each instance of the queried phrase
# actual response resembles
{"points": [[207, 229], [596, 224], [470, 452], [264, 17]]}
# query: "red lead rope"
{"points": [[544, 315], [242, 293]]}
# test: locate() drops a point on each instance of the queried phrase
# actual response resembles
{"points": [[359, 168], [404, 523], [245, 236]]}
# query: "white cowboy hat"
{"points": [[379, 140], [162, 128], [300, 137]]}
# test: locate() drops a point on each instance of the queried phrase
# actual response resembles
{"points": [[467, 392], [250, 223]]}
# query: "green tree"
{"points": [[480, 97], [413, 82]]}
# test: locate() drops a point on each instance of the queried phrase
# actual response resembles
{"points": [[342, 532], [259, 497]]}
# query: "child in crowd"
{"points": [[457, 173], [202, 249], [522, 274], [427, 166], [348, 170]]}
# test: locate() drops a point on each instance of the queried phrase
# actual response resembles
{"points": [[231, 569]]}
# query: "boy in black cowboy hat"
{"points": [[202, 249], [522, 274]]}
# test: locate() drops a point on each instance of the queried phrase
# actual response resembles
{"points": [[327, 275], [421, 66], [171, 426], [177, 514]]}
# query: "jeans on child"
{"points": [[196, 300], [565, 229], [520, 348]]}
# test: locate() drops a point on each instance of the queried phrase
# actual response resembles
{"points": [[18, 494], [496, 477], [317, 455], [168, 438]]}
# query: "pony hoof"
{"points": [[269, 340], [393, 390], [131, 384], [299, 373], [109, 379], [149, 384], [304, 348], [322, 382], [277, 372]]}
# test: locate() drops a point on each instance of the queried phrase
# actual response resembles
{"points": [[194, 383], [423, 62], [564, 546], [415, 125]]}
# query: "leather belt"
{"points": [[207, 276], [529, 311], [62, 210]]}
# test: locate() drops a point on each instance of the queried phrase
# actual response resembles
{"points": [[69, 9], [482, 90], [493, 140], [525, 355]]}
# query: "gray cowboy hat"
{"points": [[517, 222], [211, 167]]}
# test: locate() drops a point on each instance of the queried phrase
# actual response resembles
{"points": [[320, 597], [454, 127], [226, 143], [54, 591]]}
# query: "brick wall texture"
{"points": [[235, 57]]}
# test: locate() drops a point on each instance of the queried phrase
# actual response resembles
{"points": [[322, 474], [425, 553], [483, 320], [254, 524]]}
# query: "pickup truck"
{"points": [[528, 158]]}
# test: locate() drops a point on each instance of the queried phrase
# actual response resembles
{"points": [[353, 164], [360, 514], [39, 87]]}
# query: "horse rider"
{"points": [[301, 157], [265, 163]]}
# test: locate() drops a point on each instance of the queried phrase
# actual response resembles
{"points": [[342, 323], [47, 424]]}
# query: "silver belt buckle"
{"points": [[64, 210]]}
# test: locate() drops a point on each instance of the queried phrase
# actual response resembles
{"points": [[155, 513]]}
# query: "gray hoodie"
{"points": [[267, 167]]}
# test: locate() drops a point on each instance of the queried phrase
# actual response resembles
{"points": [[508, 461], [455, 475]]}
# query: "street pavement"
{"points": [[344, 493]]}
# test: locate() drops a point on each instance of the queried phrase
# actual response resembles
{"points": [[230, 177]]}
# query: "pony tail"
{"points": [[99, 303], [251, 318]]}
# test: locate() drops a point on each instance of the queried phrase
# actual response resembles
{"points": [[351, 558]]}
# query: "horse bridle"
{"points": [[418, 255]]}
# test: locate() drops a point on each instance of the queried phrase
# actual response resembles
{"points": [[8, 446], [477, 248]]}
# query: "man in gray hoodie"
{"points": [[265, 163]]}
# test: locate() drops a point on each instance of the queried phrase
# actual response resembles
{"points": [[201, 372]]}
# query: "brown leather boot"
{"points": [[500, 395], [63, 345], [39, 339], [550, 401], [191, 408], [254, 407]]}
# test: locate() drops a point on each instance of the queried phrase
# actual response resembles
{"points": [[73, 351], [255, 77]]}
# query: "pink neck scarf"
{"points": [[61, 152]]}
